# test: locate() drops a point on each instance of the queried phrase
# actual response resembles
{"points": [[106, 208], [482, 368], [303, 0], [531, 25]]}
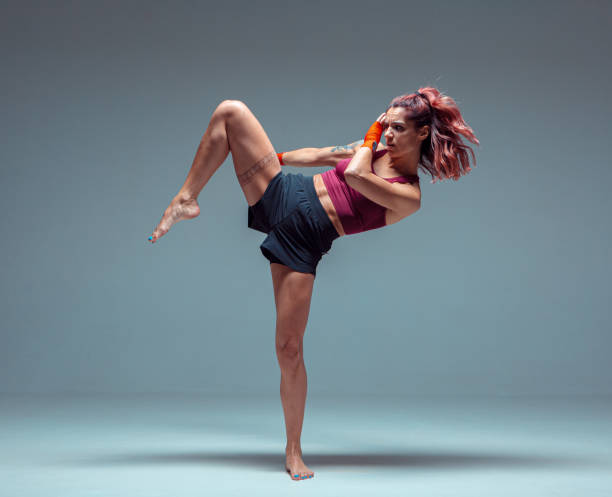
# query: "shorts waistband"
{"points": [[329, 230]]}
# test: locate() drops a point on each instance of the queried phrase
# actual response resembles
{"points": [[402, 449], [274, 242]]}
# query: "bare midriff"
{"points": [[327, 204]]}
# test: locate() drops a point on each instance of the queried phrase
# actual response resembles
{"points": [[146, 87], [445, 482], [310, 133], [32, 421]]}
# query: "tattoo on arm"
{"points": [[345, 148]]}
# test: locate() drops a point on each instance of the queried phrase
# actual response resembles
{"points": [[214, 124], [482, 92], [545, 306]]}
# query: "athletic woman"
{"points": [[370, 186]]}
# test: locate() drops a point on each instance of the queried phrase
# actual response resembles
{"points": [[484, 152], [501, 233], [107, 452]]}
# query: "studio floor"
{"points": [[176, 445]]}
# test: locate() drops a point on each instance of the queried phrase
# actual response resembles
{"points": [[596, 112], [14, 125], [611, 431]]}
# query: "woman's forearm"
{"points": [[361, 162], [313, 157], [301, 157]]}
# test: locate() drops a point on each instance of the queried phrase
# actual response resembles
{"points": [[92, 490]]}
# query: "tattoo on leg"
{"points": [[265, 161]]}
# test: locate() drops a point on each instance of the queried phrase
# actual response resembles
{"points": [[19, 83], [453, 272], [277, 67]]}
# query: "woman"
{"points": [[370, 186]]}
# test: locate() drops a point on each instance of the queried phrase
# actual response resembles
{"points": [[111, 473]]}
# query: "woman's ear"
{"points": [[424, 131]]}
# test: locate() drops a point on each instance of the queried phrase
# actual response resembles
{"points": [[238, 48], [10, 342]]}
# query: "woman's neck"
{"points": [[404, 166]]}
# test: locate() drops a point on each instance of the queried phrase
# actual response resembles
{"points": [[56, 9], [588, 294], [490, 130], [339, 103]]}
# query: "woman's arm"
{"points": [[315, 157], [402, 198]]}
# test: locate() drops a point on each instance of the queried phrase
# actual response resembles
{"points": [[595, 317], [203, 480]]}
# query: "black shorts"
{"points": [[298, 228]]}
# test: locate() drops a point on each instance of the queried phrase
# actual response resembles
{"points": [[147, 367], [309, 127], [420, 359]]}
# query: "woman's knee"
{"points": [[229, 109], [289, 350]]}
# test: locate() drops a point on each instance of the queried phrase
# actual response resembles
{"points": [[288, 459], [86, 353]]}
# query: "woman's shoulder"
{"points": [[380, 151]]}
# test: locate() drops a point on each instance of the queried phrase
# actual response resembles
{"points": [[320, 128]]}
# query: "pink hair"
{"points": [[443, 154]]}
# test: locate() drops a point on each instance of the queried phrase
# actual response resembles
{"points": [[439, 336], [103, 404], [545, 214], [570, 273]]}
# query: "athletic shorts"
{"points": [[298, 228]]}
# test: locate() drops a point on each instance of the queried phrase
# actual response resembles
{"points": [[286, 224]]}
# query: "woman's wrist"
{"points": [[372, 137]]}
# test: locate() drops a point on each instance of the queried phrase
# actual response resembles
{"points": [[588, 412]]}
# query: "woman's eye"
{"points": [[399, 128]]}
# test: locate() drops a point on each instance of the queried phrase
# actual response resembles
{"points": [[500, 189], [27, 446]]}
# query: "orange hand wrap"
{"points": [[372, 137], [280, 158]]}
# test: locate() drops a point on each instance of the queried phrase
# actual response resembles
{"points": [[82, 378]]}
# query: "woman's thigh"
{"points": [[255, 160], [292, 296]]}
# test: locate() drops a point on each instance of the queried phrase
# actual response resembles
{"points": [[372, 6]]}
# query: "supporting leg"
{"points": [[292, 293]]}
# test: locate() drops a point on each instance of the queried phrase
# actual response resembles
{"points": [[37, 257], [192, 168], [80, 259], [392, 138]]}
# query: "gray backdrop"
{"points": [[498, 285]]}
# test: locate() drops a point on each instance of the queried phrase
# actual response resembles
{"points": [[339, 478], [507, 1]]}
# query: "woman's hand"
{"points": [[372, 137], [382, 119]]}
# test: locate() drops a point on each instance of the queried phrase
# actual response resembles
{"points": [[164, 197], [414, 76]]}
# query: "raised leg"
{"points": [[292, 295], [232, 128]]}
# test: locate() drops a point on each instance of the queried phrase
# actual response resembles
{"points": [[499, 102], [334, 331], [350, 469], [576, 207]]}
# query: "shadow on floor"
{"points": [[267, 461]]}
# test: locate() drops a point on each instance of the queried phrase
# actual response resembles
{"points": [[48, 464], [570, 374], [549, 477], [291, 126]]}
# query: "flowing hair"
{"points": [[443, 154]]}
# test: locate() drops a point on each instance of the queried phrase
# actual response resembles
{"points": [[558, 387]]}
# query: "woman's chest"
{"points": [[382, 168]]}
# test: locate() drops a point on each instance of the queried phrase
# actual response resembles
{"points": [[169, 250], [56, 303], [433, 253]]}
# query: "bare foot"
{"points": [[296, 467], [181, 207]]}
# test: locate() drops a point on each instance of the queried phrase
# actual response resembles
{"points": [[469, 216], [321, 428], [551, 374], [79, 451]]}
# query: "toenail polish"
{"points": [[296, 476], [150, 238]]}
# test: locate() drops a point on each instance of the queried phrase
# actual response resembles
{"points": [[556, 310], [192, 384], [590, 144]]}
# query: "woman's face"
{"points": [[400, 134]]}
